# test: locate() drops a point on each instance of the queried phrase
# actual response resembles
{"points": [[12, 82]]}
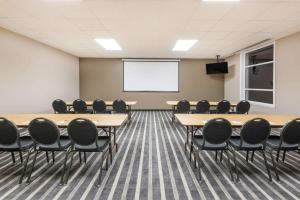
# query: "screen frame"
{"points": [[219, 72], [152, 60]]}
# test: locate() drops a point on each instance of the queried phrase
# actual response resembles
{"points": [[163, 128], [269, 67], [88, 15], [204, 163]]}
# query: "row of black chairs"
{"points": [[203, 107], [254, 136], [79, 106], [44, 136]]}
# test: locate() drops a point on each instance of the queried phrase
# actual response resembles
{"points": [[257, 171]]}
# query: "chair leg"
{"points": [[32, 166], [47, 156], [79, 154], [195, 160], [278, 154], [110, 153], [221, 156], [200, 164], [229, 165], [100, 169], [235, 166], [252, 156], [25, 166], [53, 156], [274, 165], [247, 156], [69, 168], [21, 156], [191, 150], [84, 154], [13, 157], [267, 165], [64, 167], [216, 156], [283, 156]]}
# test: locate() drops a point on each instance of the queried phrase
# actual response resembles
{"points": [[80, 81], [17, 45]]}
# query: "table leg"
{"points": [[173, 114], [129, 112], [192, 147], [115, 134], [187, 138]]}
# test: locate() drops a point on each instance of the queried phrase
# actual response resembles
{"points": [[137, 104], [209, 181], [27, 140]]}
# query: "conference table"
{"points": [[193, 122], [108, 122], [129, 104], [173, 104]]}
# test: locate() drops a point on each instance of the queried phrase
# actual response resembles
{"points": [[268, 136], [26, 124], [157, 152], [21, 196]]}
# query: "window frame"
{"points": [[243, 68]]}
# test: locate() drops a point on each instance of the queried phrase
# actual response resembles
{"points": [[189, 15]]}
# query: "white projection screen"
{"points": [[150, 76]]}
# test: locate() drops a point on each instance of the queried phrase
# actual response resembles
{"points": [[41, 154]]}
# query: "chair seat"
{"points": [[103, 142], [235, 142], [198, 141], [274, 141], [65, 142], [25, 142]]}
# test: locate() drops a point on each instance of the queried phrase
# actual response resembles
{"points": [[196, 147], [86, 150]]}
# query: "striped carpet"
{"points": [[151, 164]]}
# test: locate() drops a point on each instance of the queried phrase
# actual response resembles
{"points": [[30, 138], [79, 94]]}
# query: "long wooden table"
{"points": [[193, 122], [109, 122], [173, 104], [129, 104]]}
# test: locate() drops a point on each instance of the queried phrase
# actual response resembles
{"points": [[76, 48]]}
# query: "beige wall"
{"points": [[103, 78], [287, 82], [232, 79], [32, 75]]}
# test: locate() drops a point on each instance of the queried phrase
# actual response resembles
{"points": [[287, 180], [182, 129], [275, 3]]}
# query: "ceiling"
{"points": [[150, 28]]}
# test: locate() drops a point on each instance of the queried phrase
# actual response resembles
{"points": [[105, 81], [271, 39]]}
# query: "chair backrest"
{"points": [[243, 107], [223, 107], [119, 106], [183, 106], [59, 106], [79, 106], [217, 131], [44, 131], [82, 132], [202, 107], [99, 106], [9, 133], [255, 131], [290, 133]]}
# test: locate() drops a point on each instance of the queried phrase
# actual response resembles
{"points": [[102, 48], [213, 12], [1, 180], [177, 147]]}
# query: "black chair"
{"points": [[289, 140], [223, 107], [183, 106], [253, 137], [60, 107], [119, 106], [216, 134], [202, 107], [10, 141], [242, 107], [84, 136], [46, 137], [80, 106], [99, 106]]}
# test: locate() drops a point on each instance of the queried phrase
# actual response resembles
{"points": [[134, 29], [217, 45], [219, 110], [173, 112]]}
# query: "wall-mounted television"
{"points": [[217, 68]]}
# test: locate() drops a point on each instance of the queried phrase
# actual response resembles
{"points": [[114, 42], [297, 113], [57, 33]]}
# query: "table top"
{"points": [[108, 103], [62, 120], [235, 119], [194, 103]]}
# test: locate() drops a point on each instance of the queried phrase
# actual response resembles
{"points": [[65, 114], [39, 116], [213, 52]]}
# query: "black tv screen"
{"points": [[217, 68]]}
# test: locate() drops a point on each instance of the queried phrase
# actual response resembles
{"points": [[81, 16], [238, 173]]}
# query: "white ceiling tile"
{"points": [[150, 28]]}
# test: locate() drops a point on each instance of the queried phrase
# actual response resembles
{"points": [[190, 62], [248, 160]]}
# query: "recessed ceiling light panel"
{"points": [[184, 45], [108, 44]]}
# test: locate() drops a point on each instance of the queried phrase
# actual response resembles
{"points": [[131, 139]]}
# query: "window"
{"points": [[258, 74]]}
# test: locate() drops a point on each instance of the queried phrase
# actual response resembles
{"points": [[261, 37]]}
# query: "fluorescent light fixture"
{"points": [[184, 45], [109, 44], [221, 0]]}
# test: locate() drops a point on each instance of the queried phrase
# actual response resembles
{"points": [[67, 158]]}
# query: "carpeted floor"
{"points": [[151, 164]]}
